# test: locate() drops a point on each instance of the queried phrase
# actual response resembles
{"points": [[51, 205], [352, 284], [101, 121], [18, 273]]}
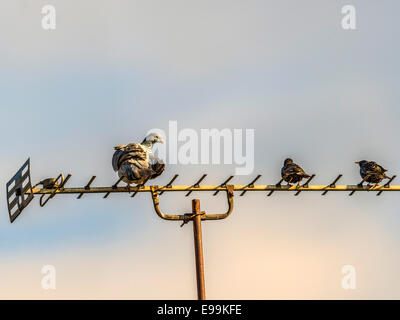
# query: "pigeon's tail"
{"points": [[157, 168], [134, 174]]}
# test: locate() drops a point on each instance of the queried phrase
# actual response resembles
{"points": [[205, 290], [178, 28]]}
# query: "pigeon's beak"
{"points": [[357, 162]]}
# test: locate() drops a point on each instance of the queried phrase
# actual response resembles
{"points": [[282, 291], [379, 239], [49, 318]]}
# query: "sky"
{"points": [[111, 71]]}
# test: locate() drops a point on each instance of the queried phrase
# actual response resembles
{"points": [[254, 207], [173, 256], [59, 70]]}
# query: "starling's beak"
{"points": [[357, 162], [161, 141]]}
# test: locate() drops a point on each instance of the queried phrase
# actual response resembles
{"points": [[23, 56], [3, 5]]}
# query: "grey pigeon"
{"points": [[292, 173], [371, 172], [136, 163]]}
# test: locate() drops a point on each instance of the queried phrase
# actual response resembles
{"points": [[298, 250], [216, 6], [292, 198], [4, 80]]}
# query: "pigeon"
{"points": [[371, 172], [292, 173], [136, 163]]}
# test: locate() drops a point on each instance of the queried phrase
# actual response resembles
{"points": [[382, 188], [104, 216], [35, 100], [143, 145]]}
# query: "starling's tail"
{"points": [[305, 175], [386, 177]]}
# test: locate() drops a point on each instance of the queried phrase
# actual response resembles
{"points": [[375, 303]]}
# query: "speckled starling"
{"points": [[292, 173], [371, 172]]}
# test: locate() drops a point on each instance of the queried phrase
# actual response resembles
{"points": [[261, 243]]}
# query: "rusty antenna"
{"points": [[20, 193]]}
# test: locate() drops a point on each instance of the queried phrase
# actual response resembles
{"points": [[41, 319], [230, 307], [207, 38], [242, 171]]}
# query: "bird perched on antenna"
{"points": [[371, 172], [136, 163], [292, 173], [49, 183]]}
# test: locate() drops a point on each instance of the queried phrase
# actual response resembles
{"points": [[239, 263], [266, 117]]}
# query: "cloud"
{"points": [[179, 38]]}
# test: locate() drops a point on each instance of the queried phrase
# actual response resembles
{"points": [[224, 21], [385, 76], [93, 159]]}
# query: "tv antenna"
{"points": [[20, 193]]}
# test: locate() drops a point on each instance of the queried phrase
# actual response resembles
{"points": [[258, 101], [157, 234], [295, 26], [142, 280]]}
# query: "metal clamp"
{"points": [[386, 185], [87, 187], [114, 186], [361, 186], [196, 185], [277, 185], [305, 185], [332, 185], [169, 184], [190, 216], [250, 185], [222, 185], [184, 217]]}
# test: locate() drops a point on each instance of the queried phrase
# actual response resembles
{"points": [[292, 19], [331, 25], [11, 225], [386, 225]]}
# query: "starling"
{"points": [[371, 172], [292, 173], [49, 183], [136, 163]]}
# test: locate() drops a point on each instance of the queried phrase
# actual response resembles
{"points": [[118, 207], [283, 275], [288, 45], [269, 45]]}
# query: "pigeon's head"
{"points": [[153, 138], [287, 161], [362, 163]]}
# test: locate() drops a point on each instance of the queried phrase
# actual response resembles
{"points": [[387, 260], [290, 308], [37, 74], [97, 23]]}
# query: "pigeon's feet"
{"points": [[140, 186]]}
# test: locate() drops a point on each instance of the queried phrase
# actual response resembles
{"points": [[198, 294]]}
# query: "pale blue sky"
{"points": [[112, 70]]}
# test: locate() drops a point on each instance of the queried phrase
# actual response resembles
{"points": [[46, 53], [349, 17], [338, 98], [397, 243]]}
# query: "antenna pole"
{"points": [[198, 248]]}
